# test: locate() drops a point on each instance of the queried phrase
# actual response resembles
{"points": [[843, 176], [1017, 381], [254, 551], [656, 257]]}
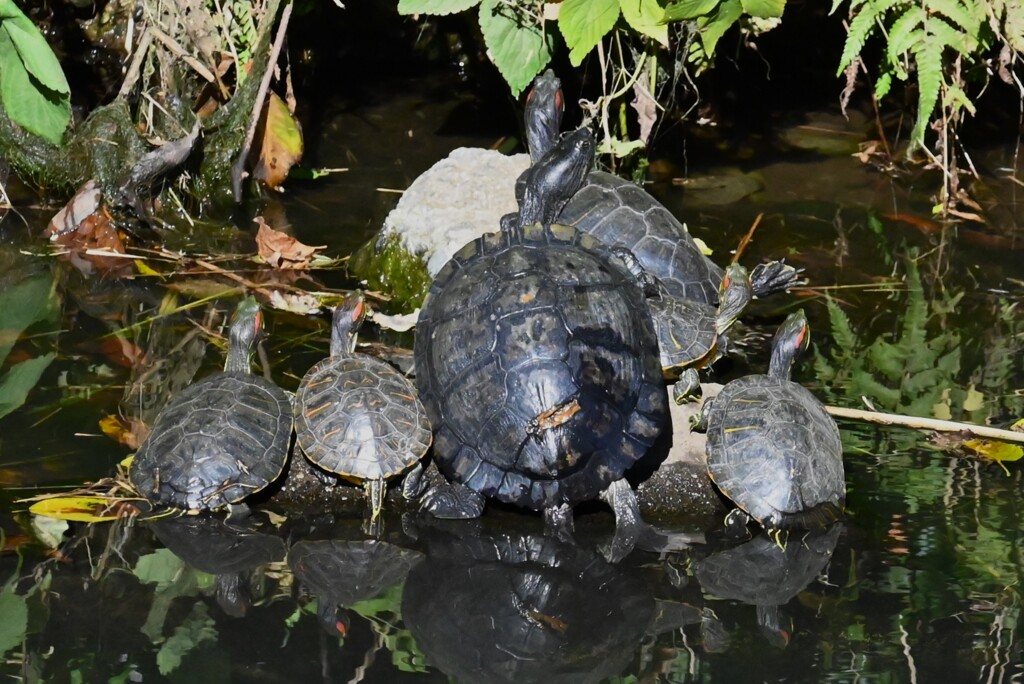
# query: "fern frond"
{"points": [[957, 12], [948, 36], [904, 32], [862, 26], [883, 85], [842, 331], [957, 99], [928, 56]]}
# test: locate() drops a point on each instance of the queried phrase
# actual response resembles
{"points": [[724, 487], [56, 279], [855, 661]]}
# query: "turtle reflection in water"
{"points": [[229, 551], [526, 608], [221, 439], [340, 573], [761, 573]]}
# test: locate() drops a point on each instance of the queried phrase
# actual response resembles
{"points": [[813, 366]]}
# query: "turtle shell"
{"points": [[358, 417], [775, 452], [218, 441], [687, 335], [537, 360], [619, 213]]}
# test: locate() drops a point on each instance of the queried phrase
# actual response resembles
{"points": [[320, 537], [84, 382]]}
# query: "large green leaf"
{"points": [[13, 618], [19, 381], [28, 102], [713, 27], [33, 49], [30, 301], [689, 9], [584, 23], [518, 47], [646, 17], [197, 628], [764, 9], [435, 6]]}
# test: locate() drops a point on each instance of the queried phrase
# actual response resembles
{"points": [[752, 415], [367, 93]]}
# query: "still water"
{"points": [[921, 581]]}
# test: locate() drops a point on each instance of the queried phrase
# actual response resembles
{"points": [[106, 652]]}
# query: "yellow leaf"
{"points": [[282, 143], [999, 452], [145, 269], [80, 508], [974, 400]]}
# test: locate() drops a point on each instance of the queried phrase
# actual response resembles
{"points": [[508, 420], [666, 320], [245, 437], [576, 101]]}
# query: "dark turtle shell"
{"points": [[537, 360], [687, 336], [358, 417], [217, 442], [775, 452], [620, 213]]}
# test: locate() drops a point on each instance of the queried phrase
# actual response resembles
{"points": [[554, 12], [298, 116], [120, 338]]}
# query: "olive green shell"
{"points": [[358, 417], [218, 441], [686, 333], [775, 452]]}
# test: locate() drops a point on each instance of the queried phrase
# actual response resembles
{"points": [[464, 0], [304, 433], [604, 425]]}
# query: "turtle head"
{"points": [[245, 332], [734, 294], [348, 317], [555, 178], [791, 339], [543, 115]]}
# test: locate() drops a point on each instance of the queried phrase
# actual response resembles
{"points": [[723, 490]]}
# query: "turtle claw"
{"points": [[452, 501], [774, 276]]}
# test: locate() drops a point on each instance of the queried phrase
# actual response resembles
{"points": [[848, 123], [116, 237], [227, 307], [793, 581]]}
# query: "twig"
{"points": [[132, 75], [238, 168], [926, 424], [747, 238], [176, 49]]}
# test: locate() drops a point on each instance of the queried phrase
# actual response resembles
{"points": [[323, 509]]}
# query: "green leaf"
{"points": [[764, 9], [861, 27], [520, 49], [33, 49], [958, 13], [713, 27], [904, 32], [19, 381], [161, 568], [28, 302], [15, 618], [435, 6], [29, 103], [646, 17], [584, 23], [689, 9], [198, 628]]}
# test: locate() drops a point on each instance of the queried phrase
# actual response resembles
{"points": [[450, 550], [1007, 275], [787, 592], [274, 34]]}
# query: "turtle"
{"points": [[537, 360], [620, 213], [221, 439], [772, 449], [342, 572], [229, 552], [357, 416]]}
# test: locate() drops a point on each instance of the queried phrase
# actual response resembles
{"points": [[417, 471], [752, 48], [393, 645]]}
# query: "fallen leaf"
{"points": [[88, 231], [281, 250], [282, 144], [646, 109], [398, 323], [303, 304], [84, 204], [81, 508], [1000, 452], [131, 433]]}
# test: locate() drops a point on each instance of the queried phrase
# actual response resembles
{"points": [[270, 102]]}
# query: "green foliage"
{"points": [[584, 23], [33, 90], [22, 306], [924, 39], [14, 609], [197, 629], [516, 41]]}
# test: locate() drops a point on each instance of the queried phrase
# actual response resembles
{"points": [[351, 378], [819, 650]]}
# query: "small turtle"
{"points": [[772, 449], [222, 438], [358, 417]]}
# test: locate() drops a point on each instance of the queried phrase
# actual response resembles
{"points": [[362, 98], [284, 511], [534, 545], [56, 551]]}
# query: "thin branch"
{"points": [[880, 418]]}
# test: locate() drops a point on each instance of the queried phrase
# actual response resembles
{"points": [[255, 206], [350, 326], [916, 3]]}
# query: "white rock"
{"points": [[455, 201]]}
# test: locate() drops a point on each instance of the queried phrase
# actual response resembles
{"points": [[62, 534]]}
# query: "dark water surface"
{"points": [[921, 582]]}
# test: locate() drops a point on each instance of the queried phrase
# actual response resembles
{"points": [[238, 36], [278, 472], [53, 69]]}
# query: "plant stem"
{"points": [[983, 431]]}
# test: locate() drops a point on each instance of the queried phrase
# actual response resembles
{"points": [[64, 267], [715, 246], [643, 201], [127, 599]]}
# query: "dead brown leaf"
{"points": [[281, 250], [282, 143]]}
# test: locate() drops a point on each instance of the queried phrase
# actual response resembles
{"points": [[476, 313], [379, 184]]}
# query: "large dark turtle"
{"points": [[222, 438], [358, 417], [760, 573], [230, 552], [528, 608], [772, 448], [622, 214], [537, 359]]}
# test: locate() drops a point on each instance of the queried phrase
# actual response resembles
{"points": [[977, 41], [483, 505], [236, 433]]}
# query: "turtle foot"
{"points": [[452, 501], [774, 276]]}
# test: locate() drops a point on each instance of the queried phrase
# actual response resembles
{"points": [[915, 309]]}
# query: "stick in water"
{"points": [[983, 431]]}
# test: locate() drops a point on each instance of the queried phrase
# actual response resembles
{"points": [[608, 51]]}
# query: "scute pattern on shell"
{"points": [[774, 451], [619, 213], [686, 331], [218, 441], [520, 324], [358, 417]]}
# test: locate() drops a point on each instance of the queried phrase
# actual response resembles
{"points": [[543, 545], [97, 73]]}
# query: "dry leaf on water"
{"points": [[281, 250], [84, 224]]}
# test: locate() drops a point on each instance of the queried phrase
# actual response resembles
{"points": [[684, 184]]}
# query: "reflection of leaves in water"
{"points": [[14, 609], [384, 614], [21, 306], [173, 578], [197, 628]]}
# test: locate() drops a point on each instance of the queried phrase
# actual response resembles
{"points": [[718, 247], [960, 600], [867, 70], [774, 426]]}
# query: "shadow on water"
{"points": [[922, 582]]}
